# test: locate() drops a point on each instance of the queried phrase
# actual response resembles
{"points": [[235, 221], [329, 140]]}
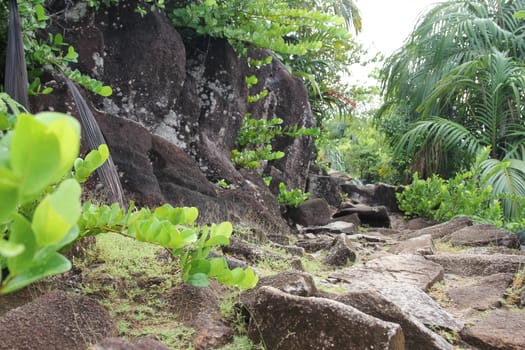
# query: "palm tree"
{"points": [[488, 93], [460, 80]]}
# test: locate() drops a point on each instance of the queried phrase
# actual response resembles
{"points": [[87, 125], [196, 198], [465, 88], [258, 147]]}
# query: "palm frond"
{"points": [[16, 84]]}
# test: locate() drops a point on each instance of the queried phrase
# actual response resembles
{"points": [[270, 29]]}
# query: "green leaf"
{"points": [[8, 193], [35, 155], [40, 13], [57, 213], [105, 91], [249, 280], [10, 249], [55, 265], [21, 233], [199, 280]]}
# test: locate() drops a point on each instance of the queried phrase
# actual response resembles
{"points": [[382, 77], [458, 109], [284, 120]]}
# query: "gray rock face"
{"points": [[317, 243], [341, 253], [326, 187], [481, 235], [422, 245], [481, 293], [417, 335], [121, 344], [392, 269], [288, 322], [56, 321], [312, 212], [501, 329], [478, 265]]}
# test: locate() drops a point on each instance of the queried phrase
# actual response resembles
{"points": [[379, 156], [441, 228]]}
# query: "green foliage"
{"points": [[173, 229], [49, 51], [37, 154], [94, 159], [255, 137], [291, 198], [443, 200]]}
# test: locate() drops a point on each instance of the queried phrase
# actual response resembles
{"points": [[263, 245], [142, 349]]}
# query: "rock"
{"points": [[56, 321], [312, 212], [284, 321], [325, 187], [392, 269], [336, 227], [199, 309], [417, 303], [316, 243], [443, 229], [415, 224], [501, 329], [417, 335], [373, 195], [485, 234], [351, 218], [248, 251], [341, 253], [422, 245], [478, 265], [371, 216], [481, 293], [122, 344]]}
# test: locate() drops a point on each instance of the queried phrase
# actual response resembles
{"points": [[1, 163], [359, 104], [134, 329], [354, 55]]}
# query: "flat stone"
{"points": [[478, 265], [417, 335], [423, 245], [501, 329], [335, 227], [313, 244], [481, 293], [417, 303], [443, 229], [483, 235], [390, 269], [288, 322], [371, 216]]}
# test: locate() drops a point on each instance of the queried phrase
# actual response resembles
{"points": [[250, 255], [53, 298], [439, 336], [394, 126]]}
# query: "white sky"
{"points": [[386, 25]]}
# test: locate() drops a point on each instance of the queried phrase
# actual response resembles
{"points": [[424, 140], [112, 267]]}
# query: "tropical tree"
{"points": [[459, 80]]}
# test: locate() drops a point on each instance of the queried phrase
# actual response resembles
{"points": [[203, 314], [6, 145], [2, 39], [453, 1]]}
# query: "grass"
{"points": [[133, 278]]}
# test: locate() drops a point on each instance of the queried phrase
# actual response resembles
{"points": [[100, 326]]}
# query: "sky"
{"points": [[386, 24]]}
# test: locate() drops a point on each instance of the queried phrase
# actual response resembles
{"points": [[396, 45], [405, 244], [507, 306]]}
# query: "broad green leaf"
{"points": [[10, 249], [217, 266], [35, 155], [67, 131], [8, 193], [21, 233], [105, 91], [55, 265], [40, 13], [223, 229], [199, 266], [199, 280], [217, 241], [250, 279], [57, 213]]}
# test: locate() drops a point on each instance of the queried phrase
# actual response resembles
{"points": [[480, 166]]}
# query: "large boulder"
{"points": [[285, 321], [417, 335], [373, 194], [312, 212], [189, 96], [443, 229], [56, 320], [371, 216]]}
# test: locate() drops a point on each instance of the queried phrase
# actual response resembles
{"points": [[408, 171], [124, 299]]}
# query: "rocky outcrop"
{"points": [[188, 98], [482, 235]]}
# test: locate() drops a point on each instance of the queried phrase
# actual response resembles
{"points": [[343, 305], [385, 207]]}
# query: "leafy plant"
{"points": [[36, 155], [291, 198], [173, 229]]}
